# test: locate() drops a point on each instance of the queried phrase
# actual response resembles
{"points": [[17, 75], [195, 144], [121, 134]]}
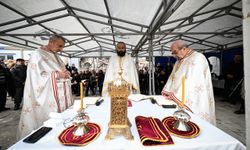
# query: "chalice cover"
{"points": [[152, 132], [67, 137], [168, 122]]}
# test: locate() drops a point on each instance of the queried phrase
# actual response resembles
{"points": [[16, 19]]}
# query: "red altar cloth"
{"points": [[152, 132]]}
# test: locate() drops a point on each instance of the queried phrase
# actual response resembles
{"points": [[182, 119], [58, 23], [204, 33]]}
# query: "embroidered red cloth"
{"points": [[68, 138], [152, 132], [168, 122]]}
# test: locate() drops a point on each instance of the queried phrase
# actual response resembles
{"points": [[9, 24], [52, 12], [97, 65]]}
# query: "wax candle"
{"points": [[81, 95]]}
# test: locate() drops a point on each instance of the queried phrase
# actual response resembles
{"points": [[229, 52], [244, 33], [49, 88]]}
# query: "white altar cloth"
{"points": [[210, 138]]}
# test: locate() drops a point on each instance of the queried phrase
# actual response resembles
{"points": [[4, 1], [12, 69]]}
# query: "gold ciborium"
{"points": [[119, 123], [182, 118], [80, 121]]}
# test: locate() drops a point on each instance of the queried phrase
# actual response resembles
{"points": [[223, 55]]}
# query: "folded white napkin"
{"points": [[55, 115], [52, 123]]}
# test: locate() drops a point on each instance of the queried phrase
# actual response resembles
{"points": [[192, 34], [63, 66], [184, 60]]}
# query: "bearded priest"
{"points": [[124, 62]]}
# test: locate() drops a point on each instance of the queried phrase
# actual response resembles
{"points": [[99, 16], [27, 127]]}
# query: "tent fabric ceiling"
{"points": [[92, 27]]}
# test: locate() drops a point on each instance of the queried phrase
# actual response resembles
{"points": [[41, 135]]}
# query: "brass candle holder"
{"points": [[182, 117], [80, 121], [119, 123]]}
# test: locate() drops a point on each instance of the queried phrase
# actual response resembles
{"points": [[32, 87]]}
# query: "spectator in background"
{"points": [[19, 75], [233, 76], [169, 68], [158, 70], [5, 85], [143, 80], [68, 67], [75, 83], [145, 72], [242, 100], [10, 65], [73, 68], [100, 79], [162, 79], [86, 77], [93, 82]]}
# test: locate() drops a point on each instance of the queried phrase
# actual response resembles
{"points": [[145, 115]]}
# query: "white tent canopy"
{"points": [[92, 27]]}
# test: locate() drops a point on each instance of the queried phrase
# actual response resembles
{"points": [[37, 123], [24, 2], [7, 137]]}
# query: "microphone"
{"points": [[98, 103], [153, 101], [169, 106]]}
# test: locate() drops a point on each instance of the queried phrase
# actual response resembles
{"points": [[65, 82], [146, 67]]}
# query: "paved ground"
{"points": [[226, 120]]}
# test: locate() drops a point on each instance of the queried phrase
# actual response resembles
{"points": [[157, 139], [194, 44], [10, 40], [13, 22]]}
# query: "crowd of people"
{"points": [[93, 81], [12, 80], [161, 76]]}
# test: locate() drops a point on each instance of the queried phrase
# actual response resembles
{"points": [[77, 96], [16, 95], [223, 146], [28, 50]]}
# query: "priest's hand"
{"points": [[168, 97], [64, 74]]}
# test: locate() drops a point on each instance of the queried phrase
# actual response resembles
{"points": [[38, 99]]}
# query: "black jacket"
{"points": [[6, 80], [19, 74]]}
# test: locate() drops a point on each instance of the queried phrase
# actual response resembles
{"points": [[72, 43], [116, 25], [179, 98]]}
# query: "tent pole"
{"points": [[246, 52], [151, 73]]}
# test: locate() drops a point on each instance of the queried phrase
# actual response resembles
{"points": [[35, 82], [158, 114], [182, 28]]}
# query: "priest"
{"points": [[193, 66], [47, 87], [121, 61]]}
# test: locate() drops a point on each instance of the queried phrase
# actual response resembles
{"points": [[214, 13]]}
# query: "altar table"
{"points": [[210, 138]]}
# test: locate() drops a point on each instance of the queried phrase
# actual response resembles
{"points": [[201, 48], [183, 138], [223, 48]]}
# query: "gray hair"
{"points": [[54, 37], [180, 44]]}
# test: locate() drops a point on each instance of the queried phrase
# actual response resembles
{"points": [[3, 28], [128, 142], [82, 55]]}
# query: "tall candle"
{"points": [[183, 91], [81, 95]]}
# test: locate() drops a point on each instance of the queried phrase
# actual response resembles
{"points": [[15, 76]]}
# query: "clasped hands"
{"points": [[64, 74]]}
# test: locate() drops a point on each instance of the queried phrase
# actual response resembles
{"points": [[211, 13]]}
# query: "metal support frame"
{"points": [[87, 51], [32, 16], [72, 13], [157, 22], [33, 21], [211, 17], [226, 31], [113, 18], [110, 34], [110, 19], [111, 40], [193, 14], [165, 10], [198, 14], [203, 41], [8, 41], [106, 23]]}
